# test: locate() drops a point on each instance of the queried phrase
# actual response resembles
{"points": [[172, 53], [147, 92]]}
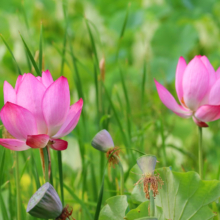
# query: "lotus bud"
{"points": [[147, 164], [103, 142], [45, 203]]}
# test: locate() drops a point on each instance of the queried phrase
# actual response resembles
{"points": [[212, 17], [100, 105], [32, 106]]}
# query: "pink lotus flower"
{"points": [[38, 112], [198, 90]]}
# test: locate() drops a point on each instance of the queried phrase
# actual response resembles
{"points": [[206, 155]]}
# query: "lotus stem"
{"points": [[59, 155], [46, 164], [152, 206], [18, 187], [200, 154]]}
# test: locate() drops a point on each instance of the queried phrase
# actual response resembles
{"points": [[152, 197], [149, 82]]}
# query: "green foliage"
{"points": [[139, 41], [183, 196]]}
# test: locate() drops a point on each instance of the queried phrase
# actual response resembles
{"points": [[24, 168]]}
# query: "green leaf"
{"points": [[183, 195], [186, 196], [139, 212], [115, 208]]}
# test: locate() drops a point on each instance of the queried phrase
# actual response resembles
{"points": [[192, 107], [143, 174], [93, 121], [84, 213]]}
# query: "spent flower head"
{"points": [[150, 180], [45, 203], [103, 142]]}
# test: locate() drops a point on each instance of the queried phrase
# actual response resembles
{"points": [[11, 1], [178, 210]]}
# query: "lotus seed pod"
{"points": [[147, 164], [103, 141], [45, 203]]}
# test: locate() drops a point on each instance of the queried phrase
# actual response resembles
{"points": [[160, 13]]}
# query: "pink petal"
{"points": [[200, 123], [195, 83], [39, 78], [181, 66], [55, 105], [208, 113], [214, 95], [18, 82], [47, 79], [18, 121], [71, 119], [58, 144], [14, 144], [37, 141], [29, 96], [211, 71], [9, 93], [218, 73], [170, 102]]}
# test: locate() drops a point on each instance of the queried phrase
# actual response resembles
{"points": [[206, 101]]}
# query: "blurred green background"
{"points": [[140, 40]]}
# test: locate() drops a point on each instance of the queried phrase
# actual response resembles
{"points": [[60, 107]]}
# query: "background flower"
{"points": [[197, 86]]}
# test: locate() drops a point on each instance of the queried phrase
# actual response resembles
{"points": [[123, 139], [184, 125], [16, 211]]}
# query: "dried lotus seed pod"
{"points": [[45, 203]]}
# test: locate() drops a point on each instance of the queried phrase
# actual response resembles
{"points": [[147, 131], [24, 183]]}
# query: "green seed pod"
{"points": [[103, 141], [147, 164], [45, 203]]}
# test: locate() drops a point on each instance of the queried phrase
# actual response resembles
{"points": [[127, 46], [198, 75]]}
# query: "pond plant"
{"points": [[58, 160]]}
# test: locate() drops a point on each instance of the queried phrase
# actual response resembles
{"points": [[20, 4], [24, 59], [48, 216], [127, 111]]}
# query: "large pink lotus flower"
{"points": [[38, 112], [198, 90]]}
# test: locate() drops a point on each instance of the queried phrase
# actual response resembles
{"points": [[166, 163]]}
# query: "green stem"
{"points": [[60, 175], [121, 177], [18, 187], [200, 153], [46, 159], [152, 207]]}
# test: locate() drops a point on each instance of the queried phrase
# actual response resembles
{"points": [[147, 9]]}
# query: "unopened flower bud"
{"points": [[103, 141], [45, 203]]}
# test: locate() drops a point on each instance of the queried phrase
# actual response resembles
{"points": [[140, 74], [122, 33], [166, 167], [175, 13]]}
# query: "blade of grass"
{"points": [[143, 85], [2, 165], [31, 57], [121, 177], [41, 47], [92, 42], [64, 4], [25, 166], [34, 171], [95, 191], [76, 198], [99, 203], [122, 31], [128, 108], [117, 118], [63, 51], [77, 79], [3, 208], [9, 49], [125, 21]]}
